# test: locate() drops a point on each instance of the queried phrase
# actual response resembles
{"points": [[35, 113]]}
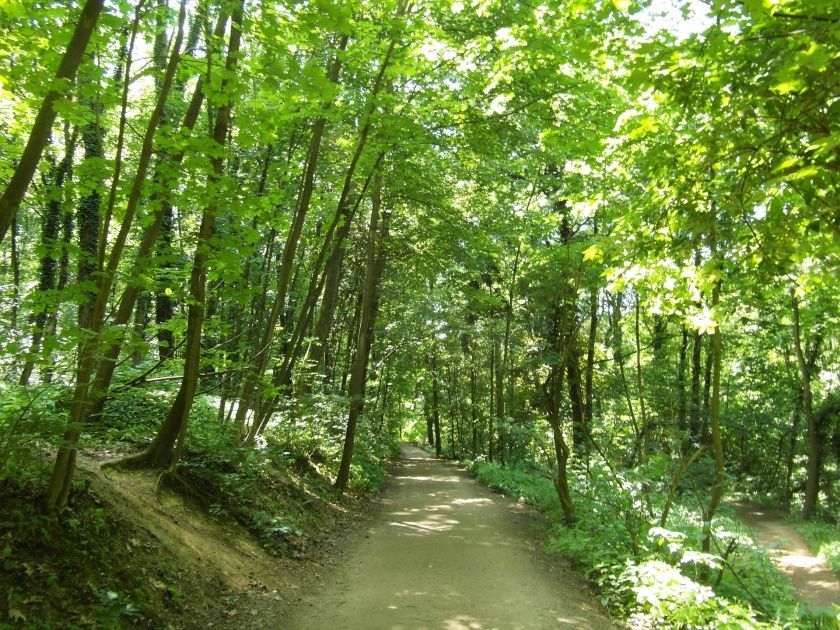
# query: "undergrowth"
{"points": [[650, 575], [85, 568], [823, 539]]}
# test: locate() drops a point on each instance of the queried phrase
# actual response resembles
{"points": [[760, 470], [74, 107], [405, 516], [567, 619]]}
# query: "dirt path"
{"points": [[815, 585], [446, 553]]}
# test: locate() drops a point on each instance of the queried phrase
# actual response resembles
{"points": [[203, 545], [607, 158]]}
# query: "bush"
{"points": [[822, 539], [652, 576]]}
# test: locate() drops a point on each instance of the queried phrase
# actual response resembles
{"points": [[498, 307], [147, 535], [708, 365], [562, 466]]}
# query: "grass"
{"points": [[823, 539], [662, 583]]}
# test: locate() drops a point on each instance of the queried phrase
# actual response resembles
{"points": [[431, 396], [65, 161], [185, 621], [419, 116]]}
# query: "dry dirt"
{"points": [[815, 585], [227, 580], [446, 553]]}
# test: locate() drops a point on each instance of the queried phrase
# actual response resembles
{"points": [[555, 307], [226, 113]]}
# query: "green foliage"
{"points": [[522, 482], [824, 540], [581, 195], [667, 582], [73, 570], [665, 598]]}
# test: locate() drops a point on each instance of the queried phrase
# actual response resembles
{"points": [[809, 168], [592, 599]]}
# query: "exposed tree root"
{"points": [[144, 459]]}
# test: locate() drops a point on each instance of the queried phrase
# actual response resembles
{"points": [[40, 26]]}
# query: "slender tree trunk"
{"points": [[619, 360], [796, 414], [358, 374], [813, 451], [40, 133], [48, 265], [644, 438], [250, 396], [579, 426], [430, 424], [166, 448], [795, 421], [283, 377], [589, 371], [707, 389], [144, 256], [15, 255], [63, 279], [123, 74], [694, 418], [141, 323], [160, 451], [492, 408], [682, 395], [717, 490], [551, 394], [87, 220], [318, 349], [436, 404], [474, 405]]}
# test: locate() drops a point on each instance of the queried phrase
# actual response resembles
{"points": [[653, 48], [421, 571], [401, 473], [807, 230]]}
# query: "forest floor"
{"points": [[814, 584], [444, 552], [223, 577]]}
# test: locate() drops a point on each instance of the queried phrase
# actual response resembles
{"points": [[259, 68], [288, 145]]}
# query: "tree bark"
{"points": [[250, 397], [436, 404], [682, 395], [48, 265], [812, 467], [40, 133], [144, 257], [717, 490], [359, 371], [166, 447]]}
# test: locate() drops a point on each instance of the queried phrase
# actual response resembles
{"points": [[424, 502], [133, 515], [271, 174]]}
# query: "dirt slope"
{"points": [[815, 585], [226, 580], [446, 553]]}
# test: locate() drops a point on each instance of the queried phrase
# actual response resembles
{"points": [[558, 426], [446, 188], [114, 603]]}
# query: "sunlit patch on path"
{"points": [[445, 553], [815, 585]]}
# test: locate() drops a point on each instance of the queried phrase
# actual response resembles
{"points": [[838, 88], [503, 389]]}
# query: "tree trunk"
{"points": [[492, 408], [359, 371], [87, 219], [717, 490], [250, 395], [40, 133], [144, 257], [644, 438], [682, 395], [319, 348], [812, 467], [163, 451], [436, 405], [15, 256], [589, 372], [48, 265]]}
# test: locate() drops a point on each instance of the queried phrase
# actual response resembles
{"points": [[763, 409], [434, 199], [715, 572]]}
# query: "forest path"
{"points": [[446, 553], [814, 584]]}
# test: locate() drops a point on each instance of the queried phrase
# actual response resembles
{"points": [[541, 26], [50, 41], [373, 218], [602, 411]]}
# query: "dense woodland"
{"points": [[590, 248]]}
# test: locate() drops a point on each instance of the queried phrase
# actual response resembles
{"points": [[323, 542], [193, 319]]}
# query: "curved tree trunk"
{"points": [[168, 443], [38, 137]]}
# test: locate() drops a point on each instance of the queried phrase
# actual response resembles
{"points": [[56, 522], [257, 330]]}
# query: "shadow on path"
{"points": [[446, 553], [814, 584]]}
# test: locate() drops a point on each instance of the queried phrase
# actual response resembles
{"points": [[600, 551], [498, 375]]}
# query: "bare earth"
{"points": [[815, 585], [446, 553]]}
